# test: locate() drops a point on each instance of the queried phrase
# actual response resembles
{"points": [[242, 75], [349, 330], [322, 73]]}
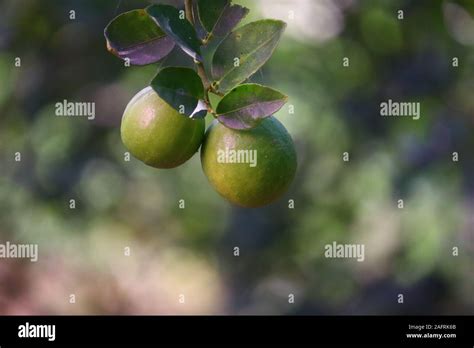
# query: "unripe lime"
{"points": [[266, 156], [157, 134]]}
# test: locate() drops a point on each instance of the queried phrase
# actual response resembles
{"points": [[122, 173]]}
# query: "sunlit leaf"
{"points": [[244, 51]]}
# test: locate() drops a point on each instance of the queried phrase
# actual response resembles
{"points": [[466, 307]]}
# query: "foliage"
{"points": [[143, 36]]}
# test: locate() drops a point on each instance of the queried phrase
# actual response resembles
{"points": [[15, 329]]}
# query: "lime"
{"points": [[157, 134], [250, 168]]}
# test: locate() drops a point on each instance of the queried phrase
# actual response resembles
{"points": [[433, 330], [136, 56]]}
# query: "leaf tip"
{"points": [[110, 48], [282, 24]]}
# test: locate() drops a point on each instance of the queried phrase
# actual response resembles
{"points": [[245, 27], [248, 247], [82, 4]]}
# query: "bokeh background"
{"points": [[190, 251]]}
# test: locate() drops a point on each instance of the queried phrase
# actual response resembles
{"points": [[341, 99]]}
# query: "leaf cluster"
{"points": [[225, 57]]}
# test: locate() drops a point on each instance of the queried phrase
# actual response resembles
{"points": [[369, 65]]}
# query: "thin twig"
{"points": [[188, 8], [202, 74]]}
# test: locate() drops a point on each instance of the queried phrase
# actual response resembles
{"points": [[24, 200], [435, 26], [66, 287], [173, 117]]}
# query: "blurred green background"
{"points": [[190, 251]]}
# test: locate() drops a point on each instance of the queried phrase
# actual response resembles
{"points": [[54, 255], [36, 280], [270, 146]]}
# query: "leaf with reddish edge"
{"points": [[219, 17], [136, 36], [247, 105]]}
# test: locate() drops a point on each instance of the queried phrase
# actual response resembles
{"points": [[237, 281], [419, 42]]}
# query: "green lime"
{"points": [[157, 134], [250, 168]]}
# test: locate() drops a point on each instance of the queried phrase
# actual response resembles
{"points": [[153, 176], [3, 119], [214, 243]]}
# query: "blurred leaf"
{"points": [[219, 17], [136, 36], [244, 51], [247, 105], [183, 33], [181, 88], [381, 32]]}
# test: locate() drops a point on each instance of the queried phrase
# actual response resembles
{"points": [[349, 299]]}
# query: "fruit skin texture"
{"points": [[238, 182], [157, 134]]}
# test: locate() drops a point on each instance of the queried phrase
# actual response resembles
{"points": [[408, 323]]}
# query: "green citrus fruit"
{"points": [[157, 134], [250, 168]]}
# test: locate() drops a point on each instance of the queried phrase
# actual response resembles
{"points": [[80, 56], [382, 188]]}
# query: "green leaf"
{"points": [[182, 89], [201, 32], [182, 32], [244, 51], [210, 11], [247, 105], [219, 17], [134, 35]]}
